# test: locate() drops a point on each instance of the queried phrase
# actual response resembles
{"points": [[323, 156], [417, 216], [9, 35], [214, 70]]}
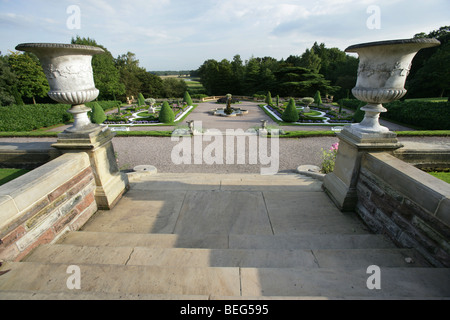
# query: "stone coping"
{"points": [[24, 193]]}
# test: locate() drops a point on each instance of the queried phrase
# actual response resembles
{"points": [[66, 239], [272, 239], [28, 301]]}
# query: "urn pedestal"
{"points": [[383, 69], [69, 73]]}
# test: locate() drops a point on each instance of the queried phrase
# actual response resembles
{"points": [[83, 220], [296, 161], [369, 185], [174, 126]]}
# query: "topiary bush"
{"points": [[359, 114], [307, 101], [291, 113], [187, 99], [318, 99], [98, 115], [166, 114], [269, 99], [141, 100]]}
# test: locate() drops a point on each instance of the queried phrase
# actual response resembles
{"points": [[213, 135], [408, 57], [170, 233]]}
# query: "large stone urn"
{"points": [[69, 73], [383, 69]]}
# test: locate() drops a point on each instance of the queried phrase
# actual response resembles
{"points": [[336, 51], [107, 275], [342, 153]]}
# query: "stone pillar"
{"points": [[111, 184], [340, 185]]}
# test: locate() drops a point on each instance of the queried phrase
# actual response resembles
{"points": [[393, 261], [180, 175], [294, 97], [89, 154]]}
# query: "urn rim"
{"points": [[76, 47], [426, 42]]}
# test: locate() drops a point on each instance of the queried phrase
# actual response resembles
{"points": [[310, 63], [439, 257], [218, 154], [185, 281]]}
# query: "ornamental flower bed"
{"points": [[131, 115]]}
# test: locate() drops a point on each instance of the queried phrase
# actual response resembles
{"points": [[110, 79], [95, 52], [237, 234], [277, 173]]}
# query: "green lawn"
{"points": [[7, 175], [444, 176]]}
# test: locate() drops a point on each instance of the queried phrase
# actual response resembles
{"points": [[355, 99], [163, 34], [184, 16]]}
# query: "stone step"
{"points": [[395, 282], [227, 282], [115, 279], [246, 258], [232, 241], [227, 182], [310, 241], [80, 296]]}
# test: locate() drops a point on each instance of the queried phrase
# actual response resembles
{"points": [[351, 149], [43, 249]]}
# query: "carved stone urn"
{"points": [[383, 69], [69, 73]]}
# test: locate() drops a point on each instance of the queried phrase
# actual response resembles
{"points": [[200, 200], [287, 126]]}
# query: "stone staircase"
{"points": [[203, 236]]}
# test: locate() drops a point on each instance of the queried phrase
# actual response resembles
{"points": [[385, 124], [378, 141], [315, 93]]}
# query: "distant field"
{"points": [[172, 76]]}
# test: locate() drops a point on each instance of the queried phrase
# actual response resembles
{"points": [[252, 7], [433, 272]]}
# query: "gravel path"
{"points": [[156, 151]]}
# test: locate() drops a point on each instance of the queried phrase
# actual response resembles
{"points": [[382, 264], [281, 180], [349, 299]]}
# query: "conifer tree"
{"points": [[318, 99], [166, 114], [269, 99], [187, 98], [291, 113], [98, 115]]}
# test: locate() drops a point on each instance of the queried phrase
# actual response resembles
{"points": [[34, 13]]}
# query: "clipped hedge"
{"points": [[32, 117], [427, 115]]}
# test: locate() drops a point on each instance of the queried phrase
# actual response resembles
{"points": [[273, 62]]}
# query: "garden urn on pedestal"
{"points": [[383, 69], [69, 73]]}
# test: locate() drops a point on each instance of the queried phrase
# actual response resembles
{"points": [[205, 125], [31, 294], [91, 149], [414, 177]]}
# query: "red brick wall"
{"points": [[66, 208]]}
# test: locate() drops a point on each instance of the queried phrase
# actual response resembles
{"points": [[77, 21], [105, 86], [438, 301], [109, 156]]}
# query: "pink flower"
{"points": [[335, 147]]}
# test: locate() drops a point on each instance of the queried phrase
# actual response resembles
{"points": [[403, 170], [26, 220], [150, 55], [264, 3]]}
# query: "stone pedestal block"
{"points": [[111, 184], [340, 185]]}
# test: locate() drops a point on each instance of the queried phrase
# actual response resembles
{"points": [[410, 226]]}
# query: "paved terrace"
{"points": [[220, 231]]}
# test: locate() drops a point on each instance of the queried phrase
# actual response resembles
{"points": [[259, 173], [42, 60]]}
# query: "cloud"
{"points": [[167, 33]]}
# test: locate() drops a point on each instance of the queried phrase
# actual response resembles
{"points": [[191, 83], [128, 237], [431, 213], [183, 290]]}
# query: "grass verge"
{"points": [[7, 175]]}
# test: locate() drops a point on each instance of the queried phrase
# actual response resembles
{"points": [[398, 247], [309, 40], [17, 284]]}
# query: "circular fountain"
{"points": [[228, 111]]}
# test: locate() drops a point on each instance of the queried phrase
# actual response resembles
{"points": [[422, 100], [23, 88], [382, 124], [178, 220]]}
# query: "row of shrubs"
{"points": [[421, 114], [33, 117]]}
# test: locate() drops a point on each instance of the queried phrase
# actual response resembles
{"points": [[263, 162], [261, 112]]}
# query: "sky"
{"points": [[182, 34]]}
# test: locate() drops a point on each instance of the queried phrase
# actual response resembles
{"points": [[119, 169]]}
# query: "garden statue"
{"points": [[228, 109], [264, 124]]}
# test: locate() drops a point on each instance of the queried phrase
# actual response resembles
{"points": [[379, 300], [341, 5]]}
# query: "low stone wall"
{"points": [[29, 155], [409, 205], [425, 155], [43, 204]]}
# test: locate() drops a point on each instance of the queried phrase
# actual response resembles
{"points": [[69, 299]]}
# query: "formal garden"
{"points": [[151, 112], [306, 111]]}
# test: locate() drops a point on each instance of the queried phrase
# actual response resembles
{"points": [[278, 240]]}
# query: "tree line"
{"points": [[328, 70], [23, 81]]}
